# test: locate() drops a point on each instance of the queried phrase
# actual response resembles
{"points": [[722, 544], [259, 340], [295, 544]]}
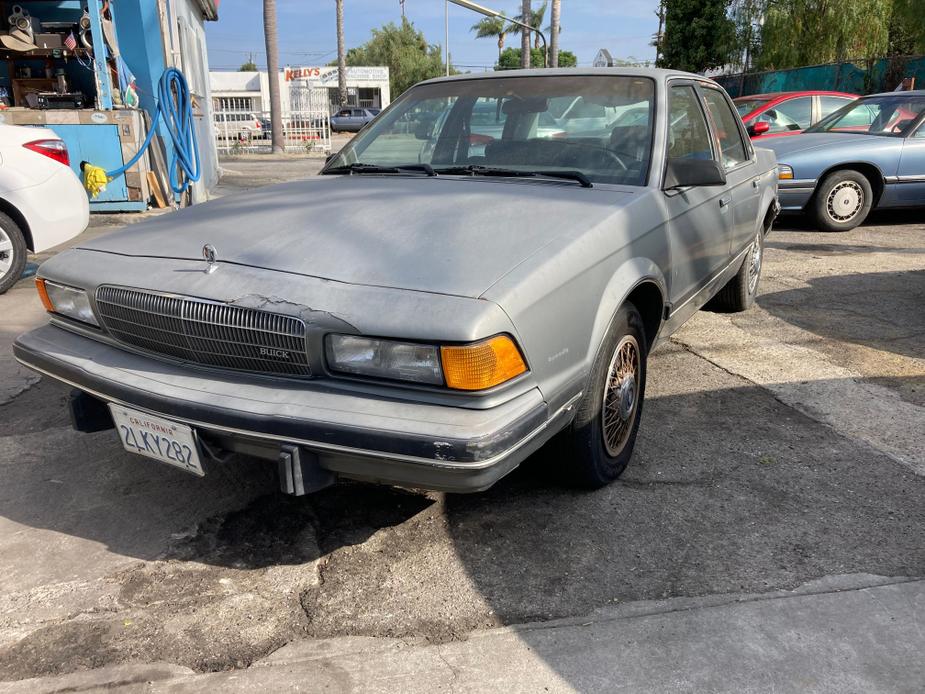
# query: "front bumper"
{"points": [[793, 195], [353, 435]]}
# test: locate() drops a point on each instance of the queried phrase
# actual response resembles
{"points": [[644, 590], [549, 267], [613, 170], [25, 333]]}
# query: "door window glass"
{"points": [[726, 123], [830, 104], [799, 111], [688, 137]]}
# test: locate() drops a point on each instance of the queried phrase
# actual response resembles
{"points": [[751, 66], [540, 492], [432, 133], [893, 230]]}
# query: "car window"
{"points": [[345, 113], [887, 115], [688, 136], [358, 113], [799, 111], [746, 105], [512, 123], [830, 104], [726, 123]]}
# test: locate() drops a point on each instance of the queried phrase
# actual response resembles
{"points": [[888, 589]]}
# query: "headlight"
{"points": [[475, 366], [402, 361], [68, 301], [784, 173]]}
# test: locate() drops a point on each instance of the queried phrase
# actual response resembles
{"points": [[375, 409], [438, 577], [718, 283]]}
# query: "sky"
{"points": [[307, 29]]}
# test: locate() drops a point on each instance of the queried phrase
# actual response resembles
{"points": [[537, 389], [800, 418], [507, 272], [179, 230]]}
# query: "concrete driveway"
{"points": [[781, 456]]}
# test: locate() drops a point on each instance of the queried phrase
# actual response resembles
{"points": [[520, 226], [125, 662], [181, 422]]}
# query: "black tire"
{"points": [[739, 293], [595, 462], [842, 201], [12, 258]]}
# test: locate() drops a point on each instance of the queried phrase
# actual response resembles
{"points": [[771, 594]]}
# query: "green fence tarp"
{"points": [[862, 77]]}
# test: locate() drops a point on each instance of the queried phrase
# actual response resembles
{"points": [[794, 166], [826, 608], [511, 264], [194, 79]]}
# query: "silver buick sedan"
{"points": [[445, 298]]}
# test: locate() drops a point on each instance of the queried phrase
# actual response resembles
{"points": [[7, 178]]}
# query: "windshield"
{"points": [[746, 106], [891, 115], [598, 126]]}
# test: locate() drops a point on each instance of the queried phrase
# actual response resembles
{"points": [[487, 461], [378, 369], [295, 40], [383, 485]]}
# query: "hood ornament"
{"points": [[210, 255]]}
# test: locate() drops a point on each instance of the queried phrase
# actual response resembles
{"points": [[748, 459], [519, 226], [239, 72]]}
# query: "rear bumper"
{"points": [[53, 224], [353, 435]]}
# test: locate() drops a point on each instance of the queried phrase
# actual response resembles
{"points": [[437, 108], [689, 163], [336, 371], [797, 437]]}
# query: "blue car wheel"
{"points": [[842, 201]]}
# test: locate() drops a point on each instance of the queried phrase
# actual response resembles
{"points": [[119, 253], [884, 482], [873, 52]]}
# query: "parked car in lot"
{"points": [[788, 113], [869, 154], [242, 125], [424, 322], [352, 119], [42, 202]]}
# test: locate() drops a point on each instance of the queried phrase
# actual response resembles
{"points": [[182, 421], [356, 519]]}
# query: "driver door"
{"points": [[700, 217]]}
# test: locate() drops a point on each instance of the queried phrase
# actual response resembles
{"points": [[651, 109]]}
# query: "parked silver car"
{"points": [[420, 314]]}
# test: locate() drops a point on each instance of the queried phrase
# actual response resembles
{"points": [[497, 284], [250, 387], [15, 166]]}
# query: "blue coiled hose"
{"points": [[175, 106]]}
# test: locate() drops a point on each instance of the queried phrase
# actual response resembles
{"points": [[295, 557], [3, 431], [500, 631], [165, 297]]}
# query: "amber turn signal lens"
{"points": [[482, 364], [43, 294]]}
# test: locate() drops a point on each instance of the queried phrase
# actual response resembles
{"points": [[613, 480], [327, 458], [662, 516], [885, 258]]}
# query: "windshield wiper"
{"points": [[476, 170], [360, 168]]}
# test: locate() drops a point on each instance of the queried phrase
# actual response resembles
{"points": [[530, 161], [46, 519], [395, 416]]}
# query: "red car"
{"points": [[788, 113]]}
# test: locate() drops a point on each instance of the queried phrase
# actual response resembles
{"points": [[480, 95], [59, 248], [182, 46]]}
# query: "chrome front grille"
{"points": [[205, 332]]}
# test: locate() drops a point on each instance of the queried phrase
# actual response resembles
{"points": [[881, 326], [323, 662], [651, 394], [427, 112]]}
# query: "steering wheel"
{"points": [[609, 153]]}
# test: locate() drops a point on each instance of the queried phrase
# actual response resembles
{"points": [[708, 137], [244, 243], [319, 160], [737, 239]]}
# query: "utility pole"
{"points": [[446, 35], [402, 3]]}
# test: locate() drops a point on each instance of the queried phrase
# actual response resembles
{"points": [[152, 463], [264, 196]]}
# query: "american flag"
{"points": [[70, 42]]}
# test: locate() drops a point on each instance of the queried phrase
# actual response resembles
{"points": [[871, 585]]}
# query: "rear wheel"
{"points": [[12, 253], [842, 201], [603, 433], [739, 293]]}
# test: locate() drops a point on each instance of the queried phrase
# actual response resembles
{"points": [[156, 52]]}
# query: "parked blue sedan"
{"points": [[868, 154]]}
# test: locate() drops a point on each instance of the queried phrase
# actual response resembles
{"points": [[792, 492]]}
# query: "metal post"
{"points": [[446, 34], [101, 67]]}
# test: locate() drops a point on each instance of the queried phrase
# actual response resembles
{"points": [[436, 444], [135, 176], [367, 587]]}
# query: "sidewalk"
{"points": [[840, 635]]}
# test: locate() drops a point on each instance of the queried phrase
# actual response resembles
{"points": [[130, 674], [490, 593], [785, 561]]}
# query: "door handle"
{"points": [[723, 202], [755, 181]]}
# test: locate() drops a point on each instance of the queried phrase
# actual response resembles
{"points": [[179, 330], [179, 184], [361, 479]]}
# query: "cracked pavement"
{"points": [[778, 447]]}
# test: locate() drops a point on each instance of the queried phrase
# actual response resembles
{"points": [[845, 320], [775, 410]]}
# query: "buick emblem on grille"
{"points": [[210, 255], [274, 353]]}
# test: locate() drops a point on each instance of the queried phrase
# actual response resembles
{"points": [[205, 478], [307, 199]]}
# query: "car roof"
{"points": [[658, 74], [912, 92]]}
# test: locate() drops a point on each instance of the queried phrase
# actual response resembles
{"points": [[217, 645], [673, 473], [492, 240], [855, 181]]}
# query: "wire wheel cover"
{"points": [[621, 395]]}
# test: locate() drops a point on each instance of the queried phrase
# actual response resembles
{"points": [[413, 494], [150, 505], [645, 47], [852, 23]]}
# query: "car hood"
{"points": [[805, 142], [446, 235]]}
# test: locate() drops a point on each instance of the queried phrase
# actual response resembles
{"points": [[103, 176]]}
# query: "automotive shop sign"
{"points": [[328, 75]]}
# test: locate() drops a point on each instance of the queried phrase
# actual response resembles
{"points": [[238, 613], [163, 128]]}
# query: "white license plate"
{"points": [[158, 438]]}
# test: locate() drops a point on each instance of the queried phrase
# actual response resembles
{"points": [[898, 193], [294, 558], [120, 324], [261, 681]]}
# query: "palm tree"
{"points": [[554, 33], [341, 56], [525, 11], [270, 36], [490, 27]]}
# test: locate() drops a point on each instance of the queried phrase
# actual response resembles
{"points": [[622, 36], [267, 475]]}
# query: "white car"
{"points": [[42, 202]]}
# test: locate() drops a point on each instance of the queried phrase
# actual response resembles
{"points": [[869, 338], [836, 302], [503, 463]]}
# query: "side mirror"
{"points": [[693, 172], [759, 128]]}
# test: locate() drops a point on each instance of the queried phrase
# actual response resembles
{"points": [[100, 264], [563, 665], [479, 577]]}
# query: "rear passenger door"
{"points": [[830, 104], [738, 160]]}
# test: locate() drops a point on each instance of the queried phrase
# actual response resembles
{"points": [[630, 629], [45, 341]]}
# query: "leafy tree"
{"points": [[405, 51], [249, 66], [535, 19], [907, 28], [810, 32], [698, 34], [510, 59]]}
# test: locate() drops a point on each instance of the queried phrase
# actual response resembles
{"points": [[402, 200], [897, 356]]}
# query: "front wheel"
{"points": [[12, 253], [842, 201], [603, 434]]}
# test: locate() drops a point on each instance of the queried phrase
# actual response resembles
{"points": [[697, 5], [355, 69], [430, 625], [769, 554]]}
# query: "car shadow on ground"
{"points": [[882, 310], [729, 491]]}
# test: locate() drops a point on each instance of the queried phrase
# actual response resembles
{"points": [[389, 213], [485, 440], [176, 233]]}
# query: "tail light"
{"points": [[53, 149]]}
